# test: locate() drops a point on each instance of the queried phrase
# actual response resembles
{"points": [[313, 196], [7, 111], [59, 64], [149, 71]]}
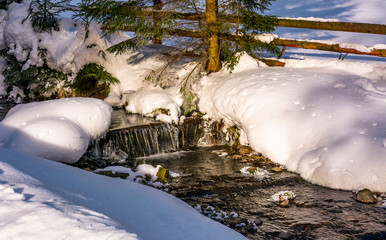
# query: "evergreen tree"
{"points": [[248, 22], [148, 23], [44, 14]]}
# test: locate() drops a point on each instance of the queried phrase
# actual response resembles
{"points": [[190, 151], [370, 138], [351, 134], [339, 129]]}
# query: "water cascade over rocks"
{"points": [[132, 136], [137, 141]]}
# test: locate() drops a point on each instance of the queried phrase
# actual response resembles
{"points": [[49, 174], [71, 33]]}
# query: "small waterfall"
{"points": [[138, 141], [132, 135]]}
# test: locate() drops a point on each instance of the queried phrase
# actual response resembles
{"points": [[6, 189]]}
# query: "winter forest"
{"points": [[216, 119]]}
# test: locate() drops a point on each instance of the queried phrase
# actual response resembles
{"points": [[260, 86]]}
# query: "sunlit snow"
{"points": [[58, 130]]}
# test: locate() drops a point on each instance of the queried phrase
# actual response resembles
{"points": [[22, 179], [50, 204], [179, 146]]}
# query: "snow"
{"points": [[283, 195], [148, 99], [140, 174], [312, 19], [43, 199], [58, 130], [20, 37], [320, 122], [255, 172]]}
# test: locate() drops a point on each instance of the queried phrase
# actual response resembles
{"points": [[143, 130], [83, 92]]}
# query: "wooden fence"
{"points": [[289, 23]]}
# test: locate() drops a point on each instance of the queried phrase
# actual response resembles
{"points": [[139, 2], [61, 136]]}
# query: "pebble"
{"points": [[365, 196], [276, 169]]}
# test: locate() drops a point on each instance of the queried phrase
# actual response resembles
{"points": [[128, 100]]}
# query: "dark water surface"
{"points": [[4, 107], [208, 179]]}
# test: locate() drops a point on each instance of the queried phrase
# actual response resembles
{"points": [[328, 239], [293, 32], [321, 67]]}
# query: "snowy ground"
{"points": [[42, 199]]}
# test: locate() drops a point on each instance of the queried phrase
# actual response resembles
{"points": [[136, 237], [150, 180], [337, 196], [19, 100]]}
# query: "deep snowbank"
{"points": [[328, 125], [42, 199], [58, 130]]}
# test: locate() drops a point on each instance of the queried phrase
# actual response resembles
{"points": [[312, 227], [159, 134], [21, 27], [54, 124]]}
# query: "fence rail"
{"points": [[290, 23]]}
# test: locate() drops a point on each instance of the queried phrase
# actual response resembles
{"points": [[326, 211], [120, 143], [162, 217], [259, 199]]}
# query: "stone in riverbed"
{"points": [[245, 150], [365, 196], [113, 174], [276, 169], [163, 174]]}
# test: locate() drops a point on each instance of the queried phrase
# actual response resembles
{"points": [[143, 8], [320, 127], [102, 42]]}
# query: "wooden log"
{"points": [[326, 47], [296, 23], [333, 26], [286, 43]]}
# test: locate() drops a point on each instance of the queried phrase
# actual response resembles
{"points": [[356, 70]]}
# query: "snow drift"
{"points": [[325, 124], [42, 199], [58, 130]]}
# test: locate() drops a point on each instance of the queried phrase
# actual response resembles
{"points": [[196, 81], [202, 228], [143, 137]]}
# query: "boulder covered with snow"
{"points": [[148, 100], [58, 130]]}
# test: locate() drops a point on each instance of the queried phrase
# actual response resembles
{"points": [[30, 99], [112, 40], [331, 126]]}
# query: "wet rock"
{"points": [[284, 235], [285, 203], [244, 150], [113, 174], [252, 170], [163, 174], [237, 222], [276, 169], [258, 158], [258, 221], [365, 196], [303, 204], [237, 157], [306, 226]]}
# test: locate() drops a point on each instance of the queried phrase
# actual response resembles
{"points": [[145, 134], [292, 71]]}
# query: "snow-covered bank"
{"points": [[58, 130], [324, 123], [41, 199]]}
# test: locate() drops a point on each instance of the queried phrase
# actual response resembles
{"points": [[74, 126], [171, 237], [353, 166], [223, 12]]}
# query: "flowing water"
{"points": [[4, 107], [132, 136], [211, 181]]}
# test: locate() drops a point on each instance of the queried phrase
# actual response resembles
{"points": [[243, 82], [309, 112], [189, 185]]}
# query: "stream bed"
{"points": [[212, 182]]}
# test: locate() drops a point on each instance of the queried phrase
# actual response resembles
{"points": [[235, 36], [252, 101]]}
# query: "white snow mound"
{"points": [[325, 124], [58, 130], [43, 199]]}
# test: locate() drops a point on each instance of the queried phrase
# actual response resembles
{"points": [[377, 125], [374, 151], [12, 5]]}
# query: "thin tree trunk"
{"points": [[157, 6], [213, 51]]}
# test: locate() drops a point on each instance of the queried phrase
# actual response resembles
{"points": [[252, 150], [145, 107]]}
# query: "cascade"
{"points": [[132, 135]]}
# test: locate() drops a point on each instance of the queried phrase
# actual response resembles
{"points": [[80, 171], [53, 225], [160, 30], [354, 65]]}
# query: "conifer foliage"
{"points": [[92, 81], [149, 22], [44, 14]]}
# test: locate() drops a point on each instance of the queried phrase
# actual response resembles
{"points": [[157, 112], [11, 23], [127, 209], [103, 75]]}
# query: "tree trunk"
{"points": [[213, 51], [157, 6]]}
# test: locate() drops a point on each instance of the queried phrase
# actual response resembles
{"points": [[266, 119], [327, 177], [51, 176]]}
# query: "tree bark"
{"points": [[157, 17], [213, 51]]}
